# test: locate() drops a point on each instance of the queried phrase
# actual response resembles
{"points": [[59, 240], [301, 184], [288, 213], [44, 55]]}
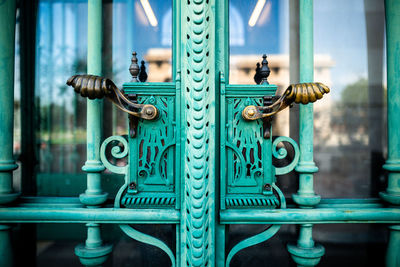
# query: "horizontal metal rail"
{"points": [[314, 216], [70, 210], [85, 215]]}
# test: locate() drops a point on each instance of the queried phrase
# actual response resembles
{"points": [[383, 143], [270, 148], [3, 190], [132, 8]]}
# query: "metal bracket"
{"points": [[267, 121], [133, 120]]}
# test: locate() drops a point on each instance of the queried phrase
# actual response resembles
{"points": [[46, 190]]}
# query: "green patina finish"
{"points": [[94, 252], [305, 252], [7, 37], [392, 193], [199, 165], [7, 163]]}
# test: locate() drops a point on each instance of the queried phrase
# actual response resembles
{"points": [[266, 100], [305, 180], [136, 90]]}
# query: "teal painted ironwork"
{"points": [[65, 212], [94, 252], [305, 252], [7, 163], [6, 255], [393, 250], [199, 165], [306, 167], [258, 238], [117, 152], [94, 196], [392, 193], [198, 216], [148, 239], [281, 153]]}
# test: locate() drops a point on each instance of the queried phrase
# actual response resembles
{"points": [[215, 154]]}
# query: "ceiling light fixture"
{"points": [[149, 12], [256, 12]]}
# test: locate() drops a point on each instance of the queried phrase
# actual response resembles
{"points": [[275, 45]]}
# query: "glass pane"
{"points": [[257, 27], [128, 25], [145, 27], [350, 137]]}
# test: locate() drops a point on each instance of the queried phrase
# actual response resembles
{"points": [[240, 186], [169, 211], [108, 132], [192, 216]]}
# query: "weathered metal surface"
{"points": [[392, 165], [305, 252], [94, 252], [69, 213], [7, 163], [198, 216]]}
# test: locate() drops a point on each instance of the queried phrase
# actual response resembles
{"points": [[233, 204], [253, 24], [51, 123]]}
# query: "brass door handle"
{"points": [[303, 93], [92, 87]]}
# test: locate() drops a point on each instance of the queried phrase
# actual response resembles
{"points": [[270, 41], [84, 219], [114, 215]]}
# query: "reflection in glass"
{"points": [[348, 56], [144, 26]]}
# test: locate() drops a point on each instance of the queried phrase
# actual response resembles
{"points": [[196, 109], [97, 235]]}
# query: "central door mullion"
{"points": [[198, 93]]}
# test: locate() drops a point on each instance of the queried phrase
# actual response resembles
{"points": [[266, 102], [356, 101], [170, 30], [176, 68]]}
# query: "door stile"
{"points": [[198, 205], [222, 71]]}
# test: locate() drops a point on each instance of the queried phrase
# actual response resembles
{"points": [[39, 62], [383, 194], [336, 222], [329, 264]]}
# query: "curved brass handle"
{"points": [[92, 87], [303, 93]]}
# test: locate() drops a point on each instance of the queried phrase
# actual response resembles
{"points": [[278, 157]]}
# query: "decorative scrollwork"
{"points": [[148, 239], [281, 153], [261, 237], [117, 152], [139, 236]]}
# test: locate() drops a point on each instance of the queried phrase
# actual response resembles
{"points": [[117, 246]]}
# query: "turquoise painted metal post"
{"points": [[393, 251], [94, 196], [197, 55], [94, 252], [392, 8], [222, 67], [305, 252], [392, 194], [6, 259], [305, 196], [7, 163]]}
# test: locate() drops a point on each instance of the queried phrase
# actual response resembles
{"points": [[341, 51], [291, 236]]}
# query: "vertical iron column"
{"points": [[94, 252], [392, 9], [198, 194], [94, 196], [392, 193], [305, 196], [306, 252], [7, 163], [222, 68]]}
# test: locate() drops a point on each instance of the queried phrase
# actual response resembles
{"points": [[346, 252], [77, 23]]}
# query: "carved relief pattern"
{"points": [[155, 141], [244, 145], [197, 217]]}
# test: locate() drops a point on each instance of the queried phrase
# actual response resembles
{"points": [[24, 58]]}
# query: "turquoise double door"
{"points": [[200, 156]]}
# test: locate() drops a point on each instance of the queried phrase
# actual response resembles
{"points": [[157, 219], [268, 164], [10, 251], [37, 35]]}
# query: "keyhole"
{"points": [[248, 166]]}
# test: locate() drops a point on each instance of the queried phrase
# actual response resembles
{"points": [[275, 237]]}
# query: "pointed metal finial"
{"points": [[142, 74], [257, 76], [134, 67], [265, 71]]}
